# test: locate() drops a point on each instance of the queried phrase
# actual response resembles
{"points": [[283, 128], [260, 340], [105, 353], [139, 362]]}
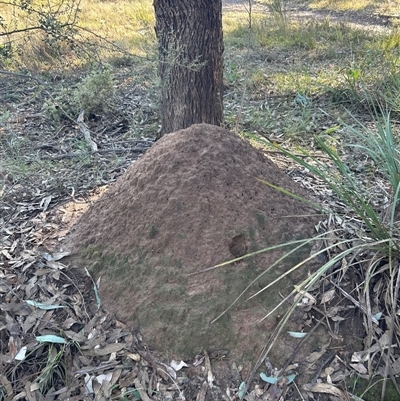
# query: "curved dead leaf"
{"points": [[326, 389]]}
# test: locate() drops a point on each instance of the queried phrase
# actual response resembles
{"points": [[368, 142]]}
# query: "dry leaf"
{"points": [[326, 389], [135, 357], [359, 367], [177, 366], [201, 395], [314, 356], [109, 349], [328, 296]]}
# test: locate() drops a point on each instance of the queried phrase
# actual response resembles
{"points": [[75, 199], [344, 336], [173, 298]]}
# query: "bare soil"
{"points": [[358, 19]]}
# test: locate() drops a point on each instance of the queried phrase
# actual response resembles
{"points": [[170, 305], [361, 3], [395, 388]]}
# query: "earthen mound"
{"points": [[192, 201]]}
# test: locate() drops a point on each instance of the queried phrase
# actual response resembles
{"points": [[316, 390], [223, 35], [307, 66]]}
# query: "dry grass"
{"points": [[128, 23], [343, 5], [102, 27]]}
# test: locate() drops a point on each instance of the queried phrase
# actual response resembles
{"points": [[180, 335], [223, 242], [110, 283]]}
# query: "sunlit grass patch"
{"points": [[303, 67], [94, 31], [236, 27], [129, 24], [310, 35], [391, 7], [344, 4], [297, 82], [232, 21]]}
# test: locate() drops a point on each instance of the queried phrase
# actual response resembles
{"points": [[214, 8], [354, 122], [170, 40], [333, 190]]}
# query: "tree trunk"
{"points": [[190, 42]]}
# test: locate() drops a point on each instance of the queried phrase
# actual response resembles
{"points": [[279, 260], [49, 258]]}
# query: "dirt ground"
{"points": [[360, 19]]}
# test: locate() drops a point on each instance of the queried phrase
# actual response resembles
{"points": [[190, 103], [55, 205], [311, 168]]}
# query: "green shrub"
{"points": [[92, 96]]}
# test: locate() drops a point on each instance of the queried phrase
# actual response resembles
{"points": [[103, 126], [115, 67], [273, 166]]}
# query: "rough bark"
{"points": [[190, 42]]}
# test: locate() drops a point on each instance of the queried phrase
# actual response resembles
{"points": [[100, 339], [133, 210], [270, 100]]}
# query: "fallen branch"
{"points": [[80, 154], [86, 133]]}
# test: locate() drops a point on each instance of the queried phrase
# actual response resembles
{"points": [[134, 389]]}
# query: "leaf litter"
{"points": [[56, 341], [95, 351], [88, 354]]}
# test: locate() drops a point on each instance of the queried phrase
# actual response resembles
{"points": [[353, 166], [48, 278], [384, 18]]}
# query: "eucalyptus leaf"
{"points": [[296, 334], [43, 306], [290, 378], [268, 379], [51, 338], [21, 354], [242, 389]]}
